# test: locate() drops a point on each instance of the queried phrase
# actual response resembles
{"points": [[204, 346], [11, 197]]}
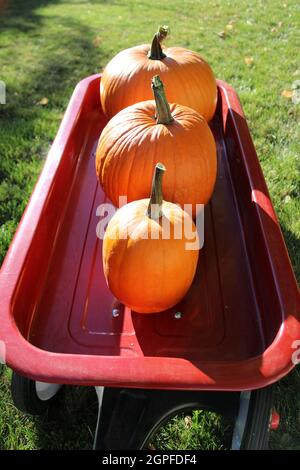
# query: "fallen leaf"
{"points": [[248, 60], [229, 27], [96, 41], [287, 94], [222, 34], [287, 199], [43, 102], [188, 421]]}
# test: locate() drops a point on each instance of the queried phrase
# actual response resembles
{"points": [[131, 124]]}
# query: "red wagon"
{"points": [[238, 326]]}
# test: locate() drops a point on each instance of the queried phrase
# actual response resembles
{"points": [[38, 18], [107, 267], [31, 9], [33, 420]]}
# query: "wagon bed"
{"points": [[240, 318]]}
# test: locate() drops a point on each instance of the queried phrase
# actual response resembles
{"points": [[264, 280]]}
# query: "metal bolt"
{"points": [[178, 315], [115, 312]]}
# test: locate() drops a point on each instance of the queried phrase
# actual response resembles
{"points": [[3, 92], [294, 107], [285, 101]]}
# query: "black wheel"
{"points": [[128, 419], [32, 397], [256, 433]]}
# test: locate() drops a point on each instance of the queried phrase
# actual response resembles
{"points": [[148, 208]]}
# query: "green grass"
{"points": [[68, 424], [197, 430], [47, 46]]}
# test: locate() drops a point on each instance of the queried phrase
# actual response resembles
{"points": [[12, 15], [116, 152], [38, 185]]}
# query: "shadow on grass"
{"points": [[61, 61], [63, 52], [21, 16], [287, 403], [70, 422], [287, 390], [64, 59]]}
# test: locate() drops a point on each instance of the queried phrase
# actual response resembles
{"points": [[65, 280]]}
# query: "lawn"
{"points": [[46, 47]]}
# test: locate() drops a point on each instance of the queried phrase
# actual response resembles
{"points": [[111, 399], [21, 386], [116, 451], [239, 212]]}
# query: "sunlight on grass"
{"points": [[197, 430]]}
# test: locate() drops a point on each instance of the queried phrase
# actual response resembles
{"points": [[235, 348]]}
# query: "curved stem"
{"points": [[163, 112], [156, 52], [154, 210]]}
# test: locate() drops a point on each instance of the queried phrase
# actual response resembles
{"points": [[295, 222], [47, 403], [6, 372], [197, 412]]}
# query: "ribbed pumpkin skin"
{"points": [[148, 275], [188, 80], [132, 143]]}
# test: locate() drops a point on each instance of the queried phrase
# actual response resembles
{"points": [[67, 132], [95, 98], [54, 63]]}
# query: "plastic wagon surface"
{"points": [[240, 319]]}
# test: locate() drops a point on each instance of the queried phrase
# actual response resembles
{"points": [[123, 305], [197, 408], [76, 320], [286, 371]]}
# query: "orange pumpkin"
{"points": [[188, 78], [134, 141], [147, 265]]}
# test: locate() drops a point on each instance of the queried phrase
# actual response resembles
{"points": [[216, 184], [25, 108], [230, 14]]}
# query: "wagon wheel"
{"points": [[32, 397], [128, 419], [257, 424]]}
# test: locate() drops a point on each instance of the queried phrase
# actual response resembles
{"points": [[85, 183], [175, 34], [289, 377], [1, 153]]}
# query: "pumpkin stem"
{"points": [[156, 52], [163, 112], [154, 210]]}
